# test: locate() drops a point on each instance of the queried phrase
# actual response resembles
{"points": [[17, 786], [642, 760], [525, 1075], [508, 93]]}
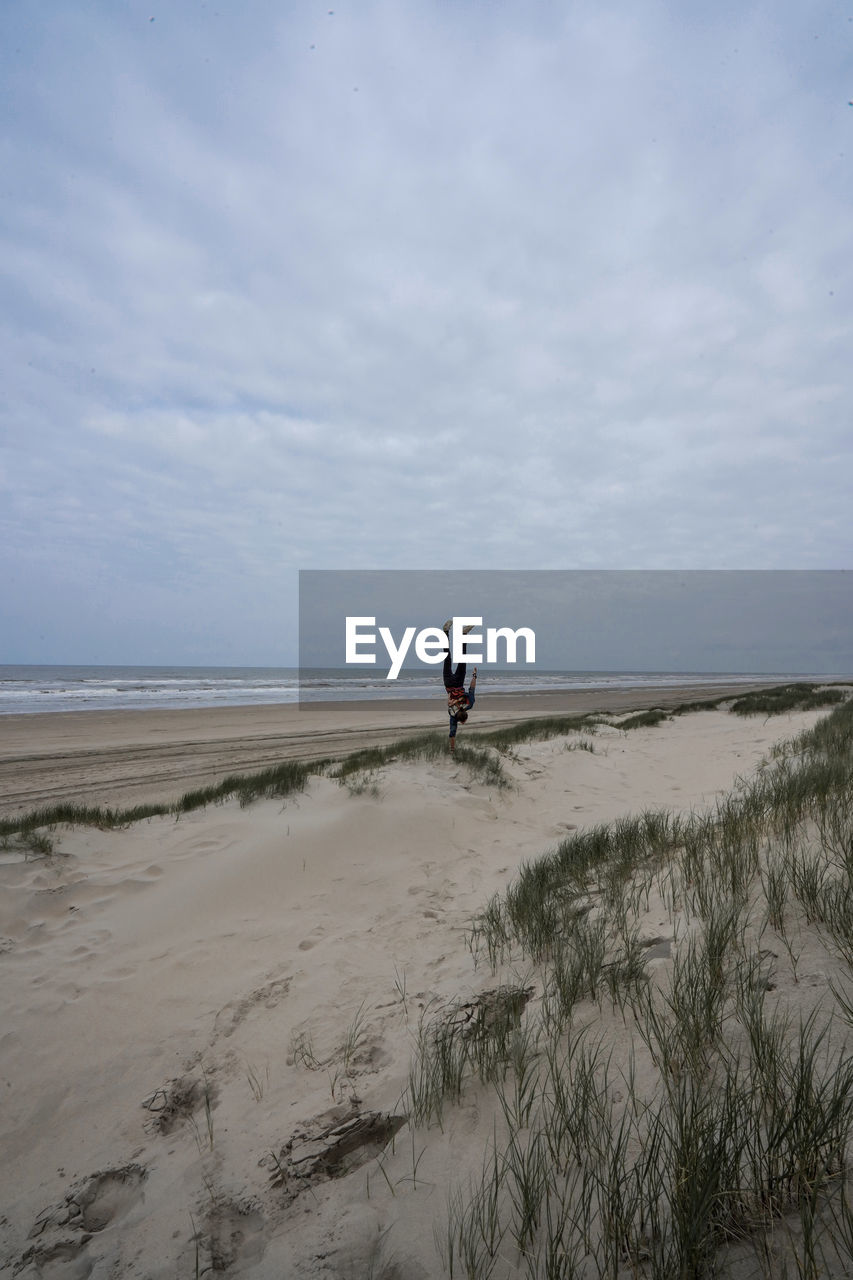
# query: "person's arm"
{"points": [[453, 726]]}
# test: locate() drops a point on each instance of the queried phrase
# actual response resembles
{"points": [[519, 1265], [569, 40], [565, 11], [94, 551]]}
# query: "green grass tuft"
{"points": [[786, 697], [291, 776], [748, 1118], [277, 782], [644, 719], [539, 730], [482, 763]]}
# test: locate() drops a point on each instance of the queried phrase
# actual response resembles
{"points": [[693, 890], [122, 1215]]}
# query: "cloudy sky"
{"points": [[413, 284]]}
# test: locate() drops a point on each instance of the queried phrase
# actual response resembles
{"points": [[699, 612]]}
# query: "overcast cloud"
{"points": [[411, 285]]}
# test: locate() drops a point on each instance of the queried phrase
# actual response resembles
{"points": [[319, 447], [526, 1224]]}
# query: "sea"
{"points": [[34, 689]]}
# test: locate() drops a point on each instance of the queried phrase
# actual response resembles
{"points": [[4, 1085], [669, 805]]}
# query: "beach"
{"points": [[208, 1022], [146, 756]]}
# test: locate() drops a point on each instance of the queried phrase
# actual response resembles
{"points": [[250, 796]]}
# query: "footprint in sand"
{"points": [[233, 1013], [171, 1106], [109, 1195], [63, 1231], [69, 991], [118, 975], [330, 1146], [315, 936], [235, 1234], [657, 948], [60, 1260]]}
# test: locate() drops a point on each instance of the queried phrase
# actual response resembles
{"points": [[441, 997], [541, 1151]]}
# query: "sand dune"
{"points": [[177, 997], [134, 757]]}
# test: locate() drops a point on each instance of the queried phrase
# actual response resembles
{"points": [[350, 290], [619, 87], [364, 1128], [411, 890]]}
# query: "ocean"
{"points": [[33, 689]]}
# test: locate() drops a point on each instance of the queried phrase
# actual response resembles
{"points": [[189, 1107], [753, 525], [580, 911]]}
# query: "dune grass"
{"points": [[644, 719], [544, 727], [83, 815], [786, 697], [483, 764], [291, 776], [737, 1145], [279, 781], [742, 1117], [539, 729]]}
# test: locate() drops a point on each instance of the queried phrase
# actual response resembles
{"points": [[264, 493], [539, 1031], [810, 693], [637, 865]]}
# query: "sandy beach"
{"points": [[133, 757], [191, 1007]]}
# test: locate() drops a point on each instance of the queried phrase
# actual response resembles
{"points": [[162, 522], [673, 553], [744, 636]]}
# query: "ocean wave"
{"points": [[35, 689]]}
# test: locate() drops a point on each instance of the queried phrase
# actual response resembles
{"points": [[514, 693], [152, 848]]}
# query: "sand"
{"points": [[135, 757], [176, 996]]}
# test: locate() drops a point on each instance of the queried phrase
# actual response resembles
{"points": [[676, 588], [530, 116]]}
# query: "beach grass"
{"points": [[540, 729], [281, 780], [783, 698], [740, 1137], [80, 815], [644, 719], [728, 1117], [291, 776], [482, 763]]}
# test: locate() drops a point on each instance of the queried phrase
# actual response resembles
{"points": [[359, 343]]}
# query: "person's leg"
{"points": [[453, 679]]}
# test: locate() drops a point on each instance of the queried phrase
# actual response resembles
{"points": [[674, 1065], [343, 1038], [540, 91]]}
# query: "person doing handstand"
{"points": [[459, 702]]}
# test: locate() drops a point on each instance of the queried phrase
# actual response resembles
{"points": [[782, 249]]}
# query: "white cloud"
{"points": [[553, 287]]}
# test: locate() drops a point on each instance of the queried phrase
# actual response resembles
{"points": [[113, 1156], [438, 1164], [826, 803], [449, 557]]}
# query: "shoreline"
{"points": [[120, 758]]}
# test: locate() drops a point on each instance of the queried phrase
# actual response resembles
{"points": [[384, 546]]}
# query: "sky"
{"points": [[410, 285]]}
